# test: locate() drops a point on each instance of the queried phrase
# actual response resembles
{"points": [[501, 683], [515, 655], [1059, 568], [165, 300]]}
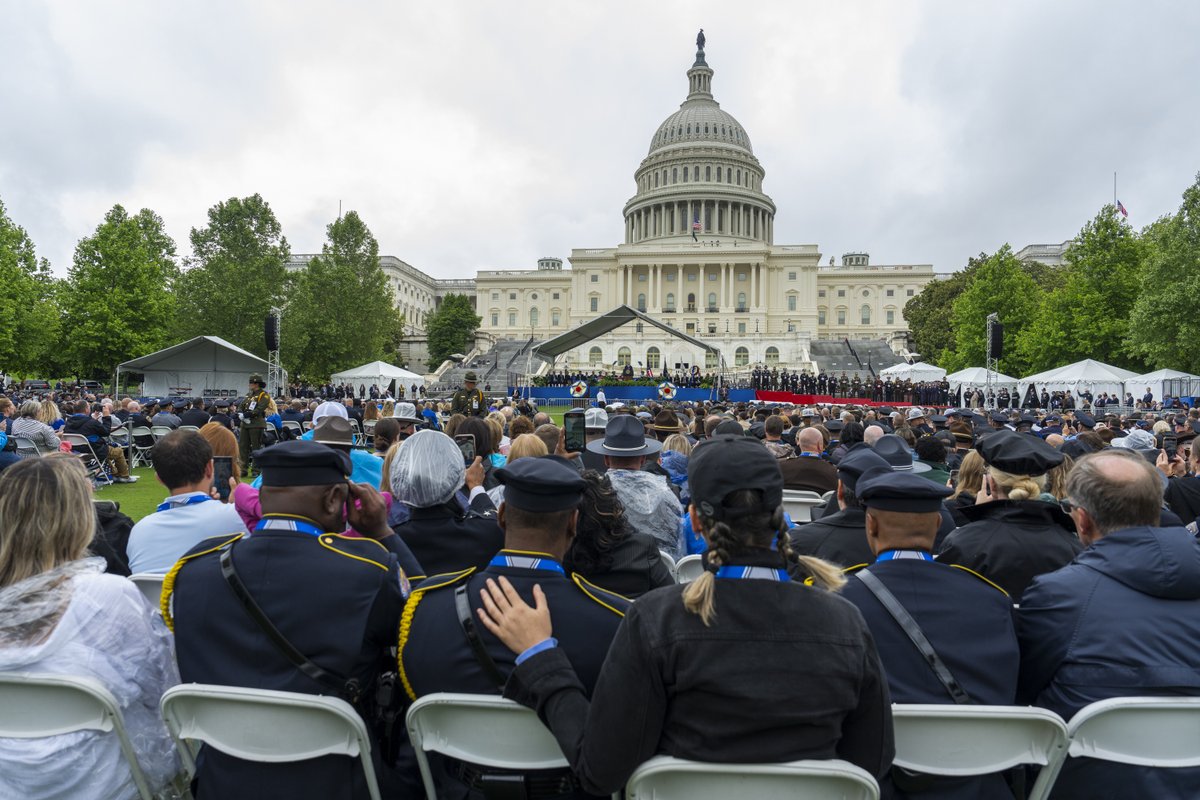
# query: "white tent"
{"points": [[1087, 375], [378, 373], [917, 372], [976, 378], [207, 366], [1156, 380]]}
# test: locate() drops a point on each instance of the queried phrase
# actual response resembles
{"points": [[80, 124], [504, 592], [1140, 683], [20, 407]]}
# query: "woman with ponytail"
{"points": [[1012, 535], [742, 665]]}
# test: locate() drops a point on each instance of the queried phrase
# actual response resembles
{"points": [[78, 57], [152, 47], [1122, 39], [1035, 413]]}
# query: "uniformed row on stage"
{"points": [[691, 378], [870, 388], [340, 391]]}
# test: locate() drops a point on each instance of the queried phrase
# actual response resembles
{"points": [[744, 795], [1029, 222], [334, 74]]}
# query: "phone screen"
{"points": [[574, 436], [954, 478], [466, 443], [222, 472], [1170, 444]]}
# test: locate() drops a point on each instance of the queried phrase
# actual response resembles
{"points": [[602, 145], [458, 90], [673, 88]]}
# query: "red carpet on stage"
{"points": [[813, 399]]}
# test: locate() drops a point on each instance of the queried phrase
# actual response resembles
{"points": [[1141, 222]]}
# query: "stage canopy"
{"points": [[378, 373], [594, 329], [1087, 375], [207, 366], [1180, 384], [916, 373], [976, 378]]}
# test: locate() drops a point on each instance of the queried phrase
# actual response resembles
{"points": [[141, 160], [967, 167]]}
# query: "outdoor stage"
{"points": [[643, 394]]}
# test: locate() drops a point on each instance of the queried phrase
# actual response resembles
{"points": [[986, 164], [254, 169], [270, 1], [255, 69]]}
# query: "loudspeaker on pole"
{"points": [[996, 339], [271, 332]]}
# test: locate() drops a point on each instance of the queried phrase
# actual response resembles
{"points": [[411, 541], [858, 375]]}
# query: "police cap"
{"points": [[301, 463], [1021, 455], [722, 465], [857, 461], [888, 490], [543, 483], [1085, 419]]}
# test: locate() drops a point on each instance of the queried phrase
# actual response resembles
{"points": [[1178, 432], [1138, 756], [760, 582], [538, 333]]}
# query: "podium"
{"points": [[581, 402]]}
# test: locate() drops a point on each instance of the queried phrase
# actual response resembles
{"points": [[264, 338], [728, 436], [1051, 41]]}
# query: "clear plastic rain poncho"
{"points": [[427, 470], [76, 620]]}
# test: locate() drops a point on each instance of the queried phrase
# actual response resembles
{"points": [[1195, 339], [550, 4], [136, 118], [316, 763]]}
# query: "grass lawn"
{"points": [[136, 499], [142, 498]]}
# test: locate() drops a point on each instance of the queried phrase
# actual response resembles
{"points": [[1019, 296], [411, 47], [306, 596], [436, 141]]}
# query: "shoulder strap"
{"points": [[463, 606], [910, 627], [346, 688]]}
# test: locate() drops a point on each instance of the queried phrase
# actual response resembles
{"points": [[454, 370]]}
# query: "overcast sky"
{"points": [[475, 135]]}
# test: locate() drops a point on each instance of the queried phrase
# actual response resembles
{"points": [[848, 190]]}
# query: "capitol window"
{"points": [[820, 316], [685, 174], [741, 327], [656, 180], [696, 173], [512, 319], [909, 292], [891, 317], [512, 295], [495, 295], [791, 302], [533, 317], [555, 295], [641, 302], [741, 301], [670, 301], [691, 276], [741, 357], [739, 177], [594, 304], [710, 360], [495, 320], [791, 276], [623, 356], [866, 315], [712, 301], [841, 316], [821, 293], [841, 292], [772, 355], [708, 173], [891, 292], [741, 276], [554, 318], [642, 277], [674, 174], [595, 356], [653, 358], [595, 278], [533, 296], [866, 292]]}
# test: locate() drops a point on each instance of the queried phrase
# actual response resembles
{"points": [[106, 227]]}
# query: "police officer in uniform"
{"points": [[840, 537], [443, 646], [336, 600], [253, 410], [468, 400], [977, 643]]}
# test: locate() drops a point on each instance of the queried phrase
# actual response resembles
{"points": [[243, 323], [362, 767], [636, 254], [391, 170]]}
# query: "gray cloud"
{"points": [[474, 136]]}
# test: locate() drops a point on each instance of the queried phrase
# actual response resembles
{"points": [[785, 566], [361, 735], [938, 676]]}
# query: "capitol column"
{"points": [[753, 287]]}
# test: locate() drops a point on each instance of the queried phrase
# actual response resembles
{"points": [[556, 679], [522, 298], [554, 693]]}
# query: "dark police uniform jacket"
{"points": [[469, 403], [336, 599], [840, 538], [435, 655], [445, 540], [673, 686], [636, 568], [1011, 542], [969, 623]]}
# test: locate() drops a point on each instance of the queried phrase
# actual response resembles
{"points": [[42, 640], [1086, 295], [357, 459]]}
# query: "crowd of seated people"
{"points": [[1050, 558]]}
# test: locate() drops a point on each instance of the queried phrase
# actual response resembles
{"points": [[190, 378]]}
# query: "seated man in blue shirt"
{"points": [[182, 463]]}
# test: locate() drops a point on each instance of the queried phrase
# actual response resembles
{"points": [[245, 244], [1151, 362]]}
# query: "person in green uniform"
{"points": [[469, 400], [253, 411]]}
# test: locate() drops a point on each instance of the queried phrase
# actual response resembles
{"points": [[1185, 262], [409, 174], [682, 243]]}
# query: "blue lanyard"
{"points": [[191, 501], [761, 573], [527, 562], [897, 555], [288, 524]]}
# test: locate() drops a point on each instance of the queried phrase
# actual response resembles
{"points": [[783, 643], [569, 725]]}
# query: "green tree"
{"points": [[451, 328], [1164, 327], [928, 313], [1085, 314], [117, 302], [341, 312], [28, 304], [237, 273], [1000, 285]]}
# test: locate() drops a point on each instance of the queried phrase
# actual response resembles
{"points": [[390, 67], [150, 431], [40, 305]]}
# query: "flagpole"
{"points": [[1114, 189]]}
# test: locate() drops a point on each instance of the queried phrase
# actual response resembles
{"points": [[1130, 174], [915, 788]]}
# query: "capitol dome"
{"points": [[700, 177]]}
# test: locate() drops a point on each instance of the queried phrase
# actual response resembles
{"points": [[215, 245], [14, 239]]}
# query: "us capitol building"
{"points": [[699, 254]]}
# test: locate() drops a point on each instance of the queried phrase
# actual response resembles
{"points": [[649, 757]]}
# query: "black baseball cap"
{"points": [[726, 464]]}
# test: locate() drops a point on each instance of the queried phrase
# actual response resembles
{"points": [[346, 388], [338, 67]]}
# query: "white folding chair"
{"points": [[829, 496], [266, 726], [667, 778], [1146, 731], [81, 447], [963, 740], [689, 568], [480, 729], [26, 447], [34, 706], [369, 432], [799, 504], [159, 431], [294, 427], [192, 428], [150, 585], [356, 430], [670, 562], [142, 444]]}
